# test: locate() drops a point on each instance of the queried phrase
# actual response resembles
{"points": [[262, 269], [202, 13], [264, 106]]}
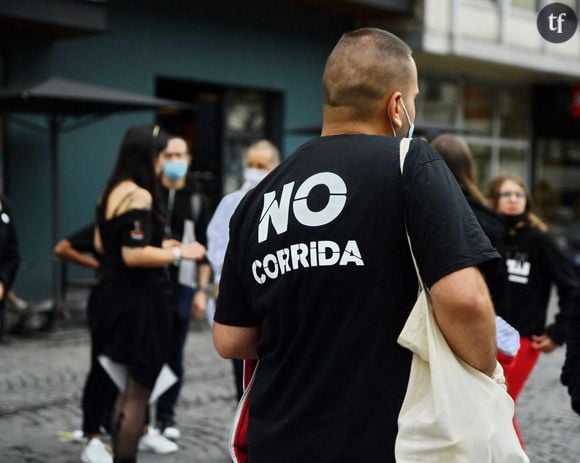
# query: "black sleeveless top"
{"points": [[137, 303], [134, 228]]}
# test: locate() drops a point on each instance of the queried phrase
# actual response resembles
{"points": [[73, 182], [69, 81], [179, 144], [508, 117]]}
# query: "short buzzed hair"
{"points": [[362, 67]]}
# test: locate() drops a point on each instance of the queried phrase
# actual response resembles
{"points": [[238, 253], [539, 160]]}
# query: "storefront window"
{"points": [[513, 161], [557, 189], [478, 109], [438, 102], [514, 110], [482, 156], [245, 122]]}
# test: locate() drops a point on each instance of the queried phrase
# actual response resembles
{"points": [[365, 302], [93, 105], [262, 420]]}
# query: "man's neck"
{"points": [[172, 185], [341, 126]]}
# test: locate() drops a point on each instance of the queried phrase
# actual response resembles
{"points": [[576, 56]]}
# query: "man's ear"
{"points": [[393, 110]]}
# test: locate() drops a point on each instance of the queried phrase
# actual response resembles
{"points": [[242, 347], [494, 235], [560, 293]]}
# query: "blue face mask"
{"points": [[411, 123], [175, 169]]}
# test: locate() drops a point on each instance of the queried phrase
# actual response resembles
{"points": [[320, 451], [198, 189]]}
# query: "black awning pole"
{"points": [[54, 121]]}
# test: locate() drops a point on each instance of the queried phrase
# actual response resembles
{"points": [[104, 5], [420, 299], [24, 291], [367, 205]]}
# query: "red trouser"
{"points": [[517, 370]]}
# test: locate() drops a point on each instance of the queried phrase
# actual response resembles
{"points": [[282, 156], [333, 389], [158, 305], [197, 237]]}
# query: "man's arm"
{"points": [[465, 315], [65, 250], [199, 301], [236, 342]]}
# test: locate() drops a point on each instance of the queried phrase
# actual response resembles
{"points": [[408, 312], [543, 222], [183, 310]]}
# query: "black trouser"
{"points": [[239, 377], [99, 393], [166, 403]]}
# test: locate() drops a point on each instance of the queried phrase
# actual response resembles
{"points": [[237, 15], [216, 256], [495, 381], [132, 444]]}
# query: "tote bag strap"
{"points": [[403, 150]]}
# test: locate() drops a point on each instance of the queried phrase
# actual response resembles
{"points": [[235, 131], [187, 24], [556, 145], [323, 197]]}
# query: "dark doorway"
{"points": [[226, 120]]}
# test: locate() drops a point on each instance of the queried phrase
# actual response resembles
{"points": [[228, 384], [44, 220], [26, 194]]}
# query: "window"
{"points": [[513, 160], [245, 122], [482, 156], [478, 109], [223, 122], [437, 102], [514, 108], [525, 4], [556, 188]]}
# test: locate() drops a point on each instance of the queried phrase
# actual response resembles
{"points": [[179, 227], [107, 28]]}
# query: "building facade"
{"points": [[252, 69]]}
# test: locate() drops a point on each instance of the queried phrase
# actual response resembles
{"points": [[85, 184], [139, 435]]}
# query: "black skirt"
{"points": [[136, 324]]}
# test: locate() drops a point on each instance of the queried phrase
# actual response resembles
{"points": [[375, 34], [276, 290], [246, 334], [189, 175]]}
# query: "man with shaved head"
{"points": [[318, 280]]}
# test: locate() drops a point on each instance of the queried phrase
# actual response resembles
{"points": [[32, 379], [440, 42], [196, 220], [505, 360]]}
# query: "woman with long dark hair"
{"points": [[135, 294]]}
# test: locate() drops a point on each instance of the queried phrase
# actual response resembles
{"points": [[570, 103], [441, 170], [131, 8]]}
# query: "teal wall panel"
{"points": [[257, 44]]}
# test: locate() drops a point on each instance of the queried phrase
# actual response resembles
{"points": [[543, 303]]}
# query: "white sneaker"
{"points": [[96, 452], [78, 436], [156, 443], [172, 433]]}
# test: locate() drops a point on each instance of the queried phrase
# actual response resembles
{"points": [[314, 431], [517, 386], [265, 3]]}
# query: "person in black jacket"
{"points": [[9, 256], [571, 370], [534, 262], [186, 218], [99, 392]]}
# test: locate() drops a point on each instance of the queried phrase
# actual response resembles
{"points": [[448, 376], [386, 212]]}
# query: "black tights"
{"points": [[130, 412]]}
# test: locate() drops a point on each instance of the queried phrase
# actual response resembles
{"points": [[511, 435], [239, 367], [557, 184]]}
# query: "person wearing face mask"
{"points": [[534, 263], [261, 157], [318, 279], [187, 215]]}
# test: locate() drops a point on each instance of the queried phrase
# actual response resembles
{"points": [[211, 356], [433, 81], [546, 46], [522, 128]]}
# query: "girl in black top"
{"points": [[534, 262], [135, 291]]}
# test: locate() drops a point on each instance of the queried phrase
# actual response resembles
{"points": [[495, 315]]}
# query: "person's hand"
{"points": [[544, 343], [1, 290], [170, 243], [198, 304], [193, 251]]}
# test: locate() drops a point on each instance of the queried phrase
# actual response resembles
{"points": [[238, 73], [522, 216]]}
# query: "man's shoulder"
{"points": [[421, 153]]}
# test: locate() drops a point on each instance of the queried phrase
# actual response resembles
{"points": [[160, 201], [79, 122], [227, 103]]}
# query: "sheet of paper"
{"points": [[188, 268], [118, 373], [164, 381], [507, 337]]}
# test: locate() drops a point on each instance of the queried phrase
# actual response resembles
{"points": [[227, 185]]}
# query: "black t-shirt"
{"points": [[185, 205], [134, 228], [318, 257], [534, 262], [83, 240]]}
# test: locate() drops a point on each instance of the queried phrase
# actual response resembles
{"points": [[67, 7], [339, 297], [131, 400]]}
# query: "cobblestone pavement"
{"points": [[41, 380], [40, 390]]}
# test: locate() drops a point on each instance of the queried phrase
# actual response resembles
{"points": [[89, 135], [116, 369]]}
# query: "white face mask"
{"points": [[254, 176], [411, 123]]}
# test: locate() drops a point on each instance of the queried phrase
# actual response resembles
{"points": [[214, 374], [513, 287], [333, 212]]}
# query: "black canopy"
{"points": [[72, 98], [68, 105]]}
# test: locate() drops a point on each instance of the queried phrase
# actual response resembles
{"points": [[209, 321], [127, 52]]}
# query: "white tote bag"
{"points": [[451, 413]]}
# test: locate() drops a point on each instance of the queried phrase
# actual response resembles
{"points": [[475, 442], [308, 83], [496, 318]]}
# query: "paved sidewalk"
{"points": [[41, 380], [40, 391]]}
